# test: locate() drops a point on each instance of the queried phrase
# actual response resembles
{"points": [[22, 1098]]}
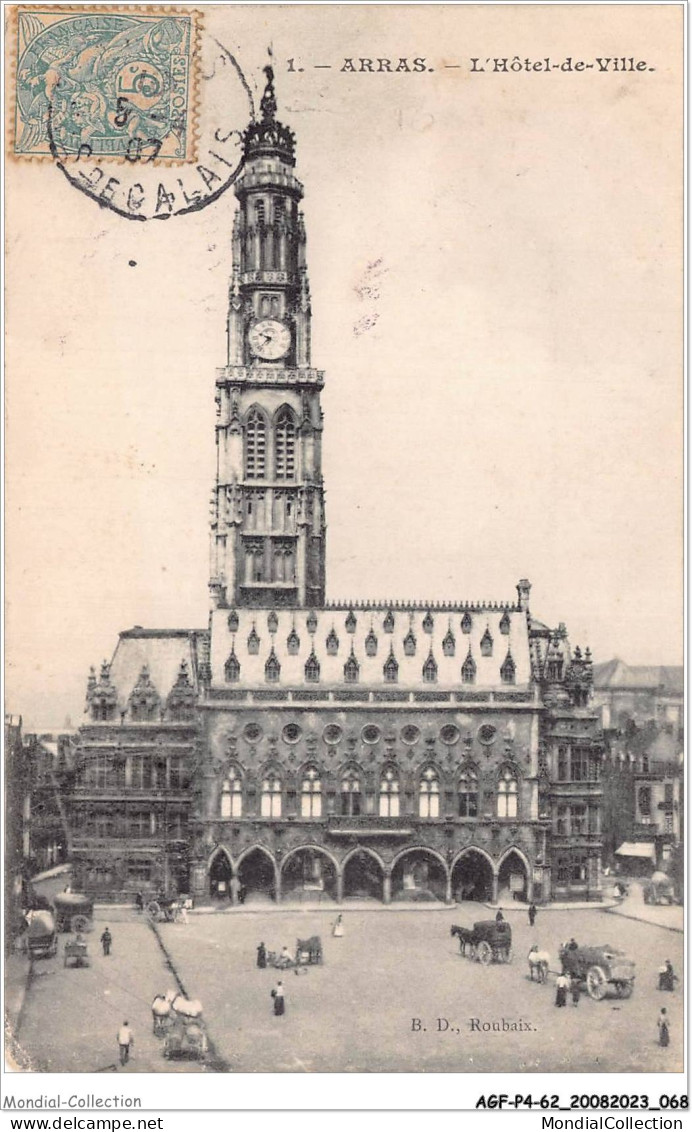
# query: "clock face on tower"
{"points": [[269, 339]]}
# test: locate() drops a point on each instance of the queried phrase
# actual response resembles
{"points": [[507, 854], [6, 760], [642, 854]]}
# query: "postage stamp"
{"points": [[106, 82]]}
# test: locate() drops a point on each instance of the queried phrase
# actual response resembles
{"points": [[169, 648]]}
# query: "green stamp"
{"points": [[104, 83]]}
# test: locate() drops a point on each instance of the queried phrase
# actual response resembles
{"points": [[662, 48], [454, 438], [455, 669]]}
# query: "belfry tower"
{"points": [[268, 521]]}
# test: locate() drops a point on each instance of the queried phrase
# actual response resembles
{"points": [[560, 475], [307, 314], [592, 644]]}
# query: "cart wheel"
{"points": [[596, 983], [626, 990], [80, 924], [153, 910], [484, 953]]}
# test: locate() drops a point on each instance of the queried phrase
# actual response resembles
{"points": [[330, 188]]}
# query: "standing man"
{"points": [[532, 914], [106, 941], [561, 985], [125, 1041], [278, 996]]}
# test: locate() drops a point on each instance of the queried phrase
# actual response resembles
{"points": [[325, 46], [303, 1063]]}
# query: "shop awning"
{"points": [[637, 849]]}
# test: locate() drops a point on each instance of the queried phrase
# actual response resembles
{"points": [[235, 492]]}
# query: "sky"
{"points": [[495, 265]]}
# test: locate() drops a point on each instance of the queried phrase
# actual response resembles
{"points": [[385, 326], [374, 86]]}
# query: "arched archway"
{"points": [[472, 876], [220, 876], [257, 877], [419, 874], [513, 877], [308, 873], [363, 876]]}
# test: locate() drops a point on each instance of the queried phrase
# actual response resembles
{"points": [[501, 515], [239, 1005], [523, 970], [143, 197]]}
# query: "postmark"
{"points": [[107, 80]]}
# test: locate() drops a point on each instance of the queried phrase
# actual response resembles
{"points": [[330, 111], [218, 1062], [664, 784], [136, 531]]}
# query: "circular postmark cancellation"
{"points": [[137, 108]]}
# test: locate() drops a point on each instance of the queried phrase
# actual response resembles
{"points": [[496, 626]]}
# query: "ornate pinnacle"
{"points": [[268, 103]]}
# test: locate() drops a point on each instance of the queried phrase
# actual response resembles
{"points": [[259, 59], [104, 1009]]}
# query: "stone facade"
{"points": [[307, 750]]}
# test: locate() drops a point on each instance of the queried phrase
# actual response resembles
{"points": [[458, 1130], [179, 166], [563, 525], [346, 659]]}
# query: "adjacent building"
{"points": [[299, 748]]}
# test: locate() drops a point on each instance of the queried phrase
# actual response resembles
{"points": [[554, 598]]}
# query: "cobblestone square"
{"points": [[355, 1013]]}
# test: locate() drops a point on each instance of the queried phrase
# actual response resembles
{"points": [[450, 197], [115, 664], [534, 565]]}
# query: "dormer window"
{"points": [[332, 642], [351, 622], [428, 622], [504, 623], [430, 669], [448, 643], [293, 643], [371, 644], [253, 642], [351, 670], [391, 669], [508, 670], [487, 643], [272, 668], [410, 644], [468, 670], [232, 669], [466, 623], [312, 669], [388, 623]]}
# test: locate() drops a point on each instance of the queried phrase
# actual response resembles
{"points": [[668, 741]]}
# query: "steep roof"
{"points": [[617, 674]]}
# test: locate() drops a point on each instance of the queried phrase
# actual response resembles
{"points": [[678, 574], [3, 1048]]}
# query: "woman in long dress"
{"points": [[338, 929], [663, 1028], [278, 996]]}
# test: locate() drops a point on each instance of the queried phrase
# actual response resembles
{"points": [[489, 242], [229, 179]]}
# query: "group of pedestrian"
{"points": [[565, 985]]}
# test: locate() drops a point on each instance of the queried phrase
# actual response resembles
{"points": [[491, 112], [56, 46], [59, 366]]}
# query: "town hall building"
{"points": [[301, 749]]}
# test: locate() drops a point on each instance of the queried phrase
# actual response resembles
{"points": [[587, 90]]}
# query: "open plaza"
{"points": [[392, 995]]}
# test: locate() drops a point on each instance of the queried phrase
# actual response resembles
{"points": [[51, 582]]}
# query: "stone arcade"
{"points": [[309, 750]]}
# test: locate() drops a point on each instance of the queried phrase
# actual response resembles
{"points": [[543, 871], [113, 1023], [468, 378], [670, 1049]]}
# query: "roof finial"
{"points": [[268, 103]]}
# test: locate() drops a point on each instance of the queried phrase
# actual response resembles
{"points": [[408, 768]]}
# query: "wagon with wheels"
{"points": [[186, 1034], [659, 889], [601, 970], [163, 909], [309, 951], [74, 912], [76, 953], [41, 936], [488, 941]]}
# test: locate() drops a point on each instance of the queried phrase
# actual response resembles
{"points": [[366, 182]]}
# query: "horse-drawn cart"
{"points": [[599, 969], [309, 951], [76, 953], [74, 912], [489, 941], [185, 1033]]}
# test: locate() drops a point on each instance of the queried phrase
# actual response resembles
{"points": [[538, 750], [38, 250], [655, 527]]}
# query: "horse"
{"points": [[160, 1011], [464, 936], [312, 948], [539, 965]]}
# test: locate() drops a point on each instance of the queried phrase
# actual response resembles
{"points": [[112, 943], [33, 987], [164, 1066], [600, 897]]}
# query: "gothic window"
{"points": [[254, 560], [428, 622], [389, 795], [140, 772], [486, 643], [232, 795], [253, 641], [466, 623], [351, 670], [284, 563], [391, 668], [270, 802], [468, 670], [312, 669], [279, 207], [255, 446], [293, 643], [233, 621], [644, 801], [254, 511], [504, 623], [311, 794], [272, 622], [388, 623], [562, 764], [272, 668], [99, 772], [232, 668], [448, 643], [177, 772], [350, 794], [311, 622], [578, 819], [332, 642], [580, 765], [410, 644], [371, 644], [285, 445], [429, 794], [468, 794], [507, 793], [430, 669], [508, 671], [260, 211], [351, 622]]}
